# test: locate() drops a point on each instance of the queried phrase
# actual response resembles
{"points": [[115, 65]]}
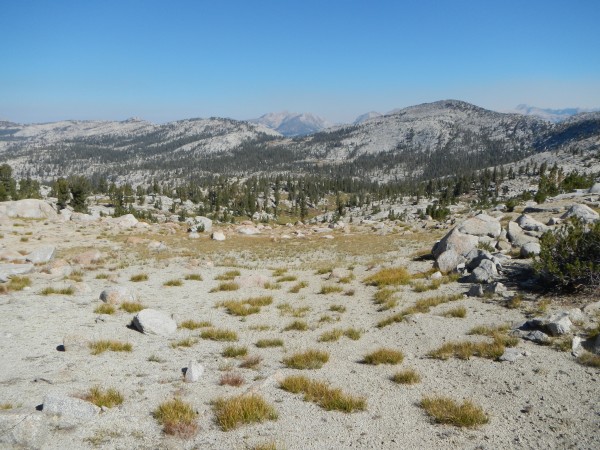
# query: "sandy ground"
{"points": [[543, 400]]}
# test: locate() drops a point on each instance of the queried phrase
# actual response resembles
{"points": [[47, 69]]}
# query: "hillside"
{"points": [[419, 142]]}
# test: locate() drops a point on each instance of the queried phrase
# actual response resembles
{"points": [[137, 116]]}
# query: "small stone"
{"points": [[583, 212], [193, 372], [69, 410], [511, 354], [436, 275], [116, 295], [559, 324], [41, 254], [475, 290], [530, 249], [538, 337], [193, 235], [217, 236]]}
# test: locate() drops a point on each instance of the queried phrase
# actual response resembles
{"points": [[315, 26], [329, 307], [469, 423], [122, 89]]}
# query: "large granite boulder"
{"points": [[481, 225], [27, 209]]}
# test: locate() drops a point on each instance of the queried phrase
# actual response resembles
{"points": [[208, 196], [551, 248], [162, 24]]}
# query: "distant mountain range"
{"points": [[293, 124], [424, 141], [551, 115]]}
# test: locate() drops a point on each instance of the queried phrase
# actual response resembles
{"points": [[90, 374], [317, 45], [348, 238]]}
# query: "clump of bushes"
{"points": [[570, 257]]}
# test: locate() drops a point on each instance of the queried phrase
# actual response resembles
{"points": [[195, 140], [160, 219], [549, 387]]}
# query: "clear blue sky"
{"points": [[167, 60]]}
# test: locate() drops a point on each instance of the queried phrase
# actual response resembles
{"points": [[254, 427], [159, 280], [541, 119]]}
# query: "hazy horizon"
{"points": [[111, 60]]}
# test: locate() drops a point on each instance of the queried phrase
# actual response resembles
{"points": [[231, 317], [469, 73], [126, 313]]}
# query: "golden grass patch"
{"points": [[100, 397], [448, 411], [235, 411], [218, 334], [391, 276], [105, 308], [233, 351], [191, 324], [408, 376], [319, 392], [308, 359], [177, 418], [297, 325], [383, 356], [132, 307], [102, 346]]}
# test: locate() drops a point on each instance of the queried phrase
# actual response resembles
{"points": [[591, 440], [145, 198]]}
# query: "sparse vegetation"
{"points": [[296, 288], [337, 308], [217, 334], [383, 356], [228, 286], [193, 277], [408, 376], [233, 351], [332, 335], [187, 342], [458, 312], [286, 309], [447, 411], [231, 379], [108, 398], [265, 343], [385, 298], [102, 276], [177, 418], [139, 277], [392, 276], [132, 307], [102, 346], [18, 283], [589, 359], [58, 291], [286, 278], [228, 276], [330, 399], [297, 325], [194, 324], [246, 307], [174, 282], [421, 306], [309, 359], [105, 308], [251, 361], [232, 412]]}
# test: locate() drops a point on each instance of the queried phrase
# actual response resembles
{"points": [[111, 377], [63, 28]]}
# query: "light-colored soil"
{"points": [[543, 400]]}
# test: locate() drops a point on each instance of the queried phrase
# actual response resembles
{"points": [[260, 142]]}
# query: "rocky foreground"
{"points": [[466, 315]]}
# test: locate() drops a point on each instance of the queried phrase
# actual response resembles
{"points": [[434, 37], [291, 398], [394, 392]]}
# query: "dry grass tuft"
{"points": [[246, 307], [296, 288], [177, 418], [458, 312], [447, 411], [102, 346], [383, 356], [265, 343], [385, 298], [231, 379], [421, 306], [171, 283], [228, 286], [18, 283], [105, 308], [217, 334], [466, 349], [132, 307], [353, 333], [264, 446], [232, 412], [330, 289], [251, 362], [228, 276], [279, 271], [392, 276], [193, 277], [330, 399], [337, 308], [408, 376], [99, 397], [286, 278], [139, 277], [194, 325], [331, 336], [102, 276], [233, 351], [309, 359], [297, 325], [589, 360], [187, 342], [61, 291], [285, 309]]}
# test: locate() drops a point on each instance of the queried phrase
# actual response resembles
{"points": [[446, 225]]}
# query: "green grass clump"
{"points": [[102, 276], [174, 282], [232, 351], [385, 298], [177, 418], [132, 307], [62, 291], [309, 359], [271, 286], [392, 276], [352, 333], [383, 356], [330, 399], [408, 376], [105, 308], [458, 312], [228, 276], [447, 411], [139, 277], [227, 286], [296, 288], [193, 277], [102, 346], [194, 324], [297, 325], [187, 342], [265, 343], [108, 398], [330, 289], [243, 409], [279, 272], [467, 349], [217, 334], [394, 318], [324, 270]]}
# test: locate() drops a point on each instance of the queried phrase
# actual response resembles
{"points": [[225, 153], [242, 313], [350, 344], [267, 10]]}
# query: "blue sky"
{"points": [[167, 60]]}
